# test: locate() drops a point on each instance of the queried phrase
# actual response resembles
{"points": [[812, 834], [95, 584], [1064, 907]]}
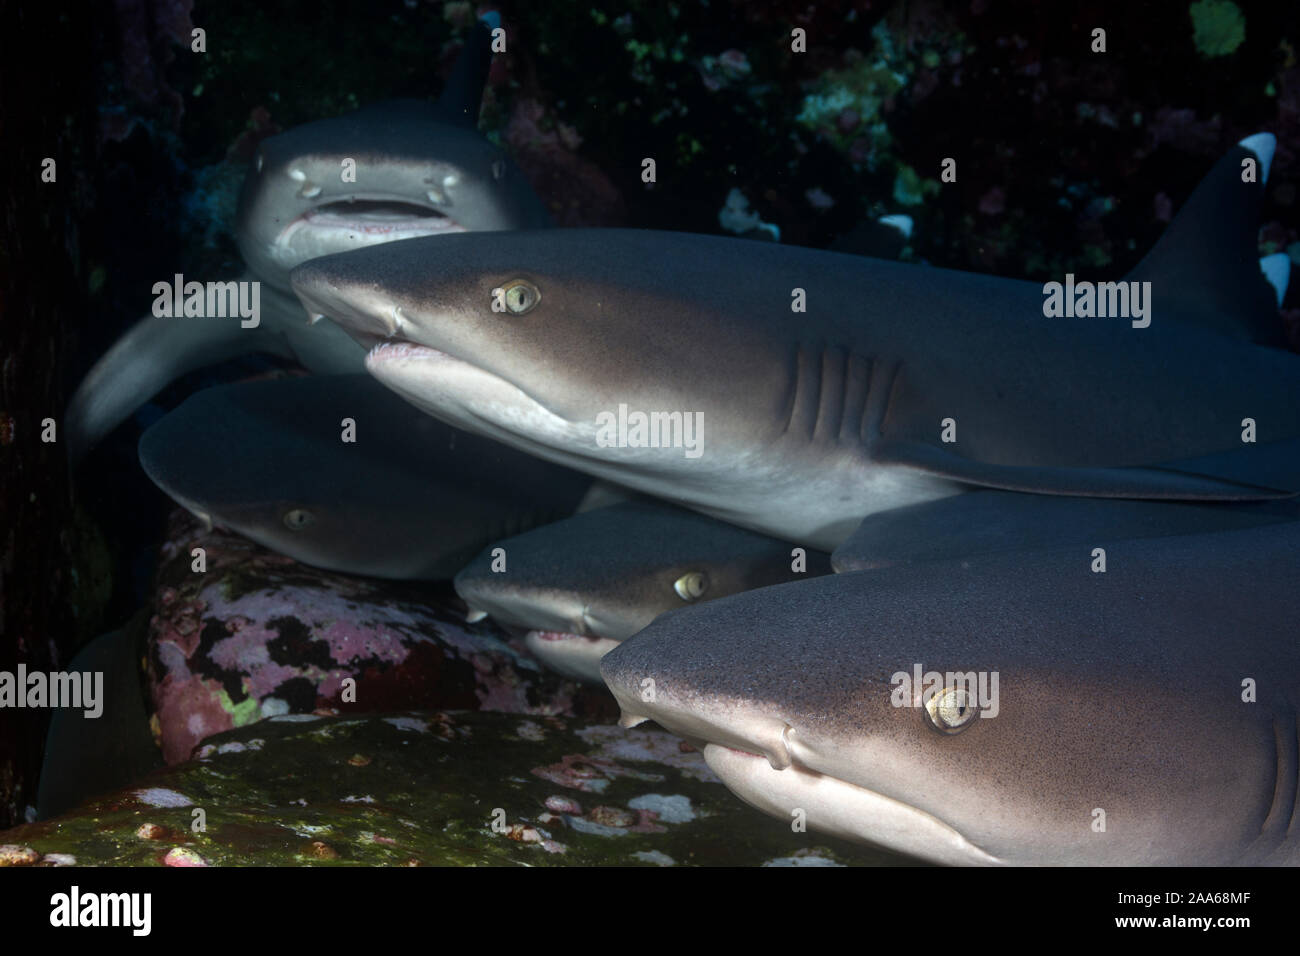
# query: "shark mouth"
{"points": [[831, 805], [765, 763], [458, 391], [348, 224], [573, 655], [378, 218], [561, 636]]}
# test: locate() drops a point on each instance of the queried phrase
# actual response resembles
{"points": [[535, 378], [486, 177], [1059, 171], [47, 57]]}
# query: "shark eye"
{"points": [[951, 710], [297, 518], [261, 161], [691, 586], [521, 296]]}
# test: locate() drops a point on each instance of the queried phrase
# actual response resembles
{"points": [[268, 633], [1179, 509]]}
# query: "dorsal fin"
{"points": [[1205, 268], [463, 94]]}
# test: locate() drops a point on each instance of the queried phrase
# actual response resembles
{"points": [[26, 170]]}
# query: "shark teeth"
{"points": [[401, 350]]}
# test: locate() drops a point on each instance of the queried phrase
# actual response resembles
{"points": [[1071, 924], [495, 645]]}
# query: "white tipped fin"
{"points": [[900, 222], [1262, 145], [473, 615], [1277, 270]]}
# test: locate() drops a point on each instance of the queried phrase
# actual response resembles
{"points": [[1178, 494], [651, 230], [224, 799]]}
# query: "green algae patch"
{"points": [[1218, 27], [430, 788]]}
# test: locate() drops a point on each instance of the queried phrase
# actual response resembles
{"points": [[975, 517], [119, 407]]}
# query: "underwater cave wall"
{"points": [[46, 116]]}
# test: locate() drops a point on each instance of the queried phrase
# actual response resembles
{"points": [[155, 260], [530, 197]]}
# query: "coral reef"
{"points": [[257, 635], [428, 788]]}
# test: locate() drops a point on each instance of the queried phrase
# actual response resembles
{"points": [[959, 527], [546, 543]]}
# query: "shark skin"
{"points": [[420, 169], [1144, 716], [582, 585], [983, 521], [86, 756], [410, 498], [812, 421]]}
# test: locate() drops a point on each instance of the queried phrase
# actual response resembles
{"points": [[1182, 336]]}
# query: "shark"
{"points": [[984, 521], [389, 171], [1011, 709], [581, 585], [86, 756], [795, 391], [337, 472]]}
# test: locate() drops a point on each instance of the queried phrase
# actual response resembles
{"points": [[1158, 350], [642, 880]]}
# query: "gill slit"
{"points": [[829, 400], [1281, 818]]}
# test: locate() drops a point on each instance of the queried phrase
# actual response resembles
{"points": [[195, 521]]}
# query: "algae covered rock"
{"points": [[428, 788], [254, 635]]}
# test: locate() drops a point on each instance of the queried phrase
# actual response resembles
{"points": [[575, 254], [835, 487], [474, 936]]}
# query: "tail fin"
{"points": [[151, 355], [1206, 265]]}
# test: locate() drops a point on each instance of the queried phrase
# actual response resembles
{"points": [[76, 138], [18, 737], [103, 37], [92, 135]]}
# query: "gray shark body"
{"points": [[389, 171], [86, 756], [410, 498], [1142, 716], [806, 422], [582, 585], [985, 521]]}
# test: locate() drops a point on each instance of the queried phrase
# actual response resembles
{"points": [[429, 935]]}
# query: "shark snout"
{"points": [[722, 720], [362, 310], [532, 608]]}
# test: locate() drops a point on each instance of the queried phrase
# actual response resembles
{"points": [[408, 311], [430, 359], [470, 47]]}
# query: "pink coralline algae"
{"points": [[258, 636], [575, 190], [183, 856]]}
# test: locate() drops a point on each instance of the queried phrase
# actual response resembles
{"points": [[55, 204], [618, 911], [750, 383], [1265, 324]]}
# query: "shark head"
{"points": [[390, 171], [540, 339], [393, 170], [1018, 711], [582, 585], [408, 498]]}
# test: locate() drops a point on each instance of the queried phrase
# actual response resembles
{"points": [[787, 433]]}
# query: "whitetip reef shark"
{"points": [[1014, 708], [583, 584], [984, 521], [410, 498], [417, 169], [806, 422]]}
